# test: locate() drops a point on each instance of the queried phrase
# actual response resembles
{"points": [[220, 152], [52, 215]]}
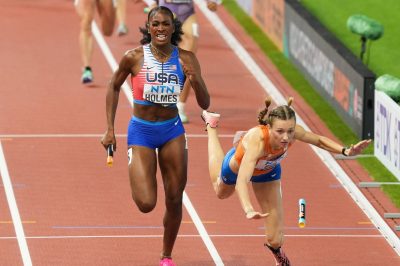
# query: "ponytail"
{"points": [[262, 114], [289, 101]]}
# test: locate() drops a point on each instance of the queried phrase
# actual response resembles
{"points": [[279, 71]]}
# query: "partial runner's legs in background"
{"points": [[86, 10], [189, 42], [121, 17], [149, 5]]}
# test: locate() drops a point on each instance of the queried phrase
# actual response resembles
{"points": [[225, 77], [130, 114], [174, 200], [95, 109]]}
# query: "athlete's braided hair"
{"points": [[282, 112], [176, 35]]}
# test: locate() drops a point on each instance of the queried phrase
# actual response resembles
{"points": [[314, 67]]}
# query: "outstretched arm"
{"points": [[328, 144], [254, 146], [112, 97]]}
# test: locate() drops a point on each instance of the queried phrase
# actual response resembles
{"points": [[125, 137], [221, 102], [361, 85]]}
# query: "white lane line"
{"points": [[202, 230], [12, 203], [325, 156], [22, 136], [188, 205], [192, 236]]}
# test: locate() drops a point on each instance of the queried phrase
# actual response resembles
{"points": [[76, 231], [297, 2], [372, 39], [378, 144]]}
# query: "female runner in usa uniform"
{"points": [[158, 71], [256, 157]]}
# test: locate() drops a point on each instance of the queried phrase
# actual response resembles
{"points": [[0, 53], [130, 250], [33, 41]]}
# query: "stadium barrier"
{"points": [[387, 132], [337, 74]]}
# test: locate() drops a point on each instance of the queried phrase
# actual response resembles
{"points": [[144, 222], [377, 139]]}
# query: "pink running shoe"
{"points": [[210, 118], [167, 262]]}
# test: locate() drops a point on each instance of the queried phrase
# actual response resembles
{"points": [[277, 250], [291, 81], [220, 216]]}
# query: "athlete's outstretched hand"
{"points": [[357, 148], [256, 215]]}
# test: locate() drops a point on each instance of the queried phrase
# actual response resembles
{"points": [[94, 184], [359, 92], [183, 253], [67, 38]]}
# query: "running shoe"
{"points": [[210, 118], [87, 76], [122, 30], [167, 262], [280, 257]]}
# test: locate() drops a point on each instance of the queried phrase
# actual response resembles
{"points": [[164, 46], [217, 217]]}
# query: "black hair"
{"points": [[176, 35]]}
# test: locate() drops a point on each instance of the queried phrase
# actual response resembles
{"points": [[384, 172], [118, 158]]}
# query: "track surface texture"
{"points": [[73, 210]]}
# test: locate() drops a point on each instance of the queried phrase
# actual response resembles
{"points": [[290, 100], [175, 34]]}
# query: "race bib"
{"points": [[162, 94], [264, 165], [269, 164]]}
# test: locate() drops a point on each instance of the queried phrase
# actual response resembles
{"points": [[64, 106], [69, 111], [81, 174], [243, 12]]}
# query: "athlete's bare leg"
{"points": [[269, 197], [86, 10], [121, 16], [142, 168], [215, 158], [173, 165], [107, 13]]}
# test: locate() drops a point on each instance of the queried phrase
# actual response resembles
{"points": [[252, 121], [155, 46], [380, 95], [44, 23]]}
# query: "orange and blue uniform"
{"points": [[267, 168]]}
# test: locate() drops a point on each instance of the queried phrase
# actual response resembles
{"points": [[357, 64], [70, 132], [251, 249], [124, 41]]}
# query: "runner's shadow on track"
{"points": [[239, 260], [236, 261], [93, 86]]}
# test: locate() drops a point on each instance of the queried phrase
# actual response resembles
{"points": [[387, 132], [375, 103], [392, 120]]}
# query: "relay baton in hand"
{"points": [[110, 154]]}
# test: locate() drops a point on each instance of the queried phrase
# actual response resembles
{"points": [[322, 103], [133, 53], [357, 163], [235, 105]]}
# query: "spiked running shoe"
{"points": [[280, 257], [87, 76], [210, 118], [167, 262]]}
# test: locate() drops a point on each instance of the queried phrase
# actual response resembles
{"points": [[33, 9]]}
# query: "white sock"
{"points": [[181, 106]]}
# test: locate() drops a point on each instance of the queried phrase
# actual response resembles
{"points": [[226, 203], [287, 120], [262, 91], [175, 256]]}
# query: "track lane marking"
{"points": [[12, 204], [11, 222], [197, 236], [23, 136]]}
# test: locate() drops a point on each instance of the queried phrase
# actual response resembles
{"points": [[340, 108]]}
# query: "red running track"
{"points": [[76, 211]]}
